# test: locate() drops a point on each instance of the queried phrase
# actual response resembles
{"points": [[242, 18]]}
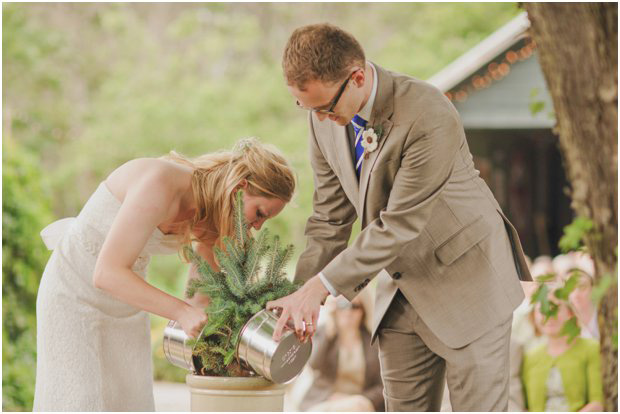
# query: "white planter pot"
{"points": [[213, 394]]}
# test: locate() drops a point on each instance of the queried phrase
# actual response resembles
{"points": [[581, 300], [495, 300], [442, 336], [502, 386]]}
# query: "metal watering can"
{"points": [[279, 362]]}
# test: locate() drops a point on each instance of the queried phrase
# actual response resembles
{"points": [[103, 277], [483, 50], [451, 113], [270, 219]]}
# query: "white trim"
{"points": [[359, 162], [479, 55]]}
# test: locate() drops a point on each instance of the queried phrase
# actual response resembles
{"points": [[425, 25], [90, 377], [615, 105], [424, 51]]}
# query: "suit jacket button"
{"points": [[396, 275]]}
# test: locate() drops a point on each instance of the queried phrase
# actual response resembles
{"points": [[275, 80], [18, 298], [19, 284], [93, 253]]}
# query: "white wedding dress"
{"points": [[93, 351]]}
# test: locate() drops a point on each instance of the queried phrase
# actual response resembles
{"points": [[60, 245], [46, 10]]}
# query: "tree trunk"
{"points": [[578, 50]]}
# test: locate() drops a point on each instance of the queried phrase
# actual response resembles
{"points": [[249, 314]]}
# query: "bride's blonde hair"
{"points": [[216, 175]]}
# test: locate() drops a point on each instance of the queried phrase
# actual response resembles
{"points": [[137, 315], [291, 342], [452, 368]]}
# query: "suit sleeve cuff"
{"points": [[328, 285]]}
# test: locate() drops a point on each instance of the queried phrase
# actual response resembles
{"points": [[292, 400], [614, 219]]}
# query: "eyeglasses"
{"points": [[333, 103]]}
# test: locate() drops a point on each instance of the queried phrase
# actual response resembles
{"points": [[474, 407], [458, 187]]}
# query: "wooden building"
{"points": [[500, 92]]}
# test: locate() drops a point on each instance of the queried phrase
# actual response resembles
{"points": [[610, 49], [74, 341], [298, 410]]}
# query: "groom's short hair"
{"points": [[320, 52]]}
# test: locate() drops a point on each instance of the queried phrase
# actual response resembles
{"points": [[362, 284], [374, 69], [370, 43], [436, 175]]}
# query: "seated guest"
{"points": [[563, 264], [346, 368], [581, 297], [562, 375], [524, 334], [523, 330]]}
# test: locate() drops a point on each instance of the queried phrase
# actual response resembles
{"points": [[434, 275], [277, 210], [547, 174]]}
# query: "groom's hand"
{"points": [[303, 307]]}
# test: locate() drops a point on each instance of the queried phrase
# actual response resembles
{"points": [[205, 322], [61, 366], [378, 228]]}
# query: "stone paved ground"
{"points": [[171, 396], [174, 396]]}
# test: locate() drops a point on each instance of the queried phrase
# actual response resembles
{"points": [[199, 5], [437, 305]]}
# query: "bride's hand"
{"points": [[192, 320]]}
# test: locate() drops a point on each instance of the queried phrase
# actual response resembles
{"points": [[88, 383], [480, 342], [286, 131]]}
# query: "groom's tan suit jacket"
{"points": [[430, 225]]}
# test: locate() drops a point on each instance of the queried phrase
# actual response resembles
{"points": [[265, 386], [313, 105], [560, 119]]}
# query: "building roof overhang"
{"points": [[484, 52]]}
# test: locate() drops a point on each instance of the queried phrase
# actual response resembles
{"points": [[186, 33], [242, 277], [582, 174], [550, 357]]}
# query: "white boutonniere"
{"points": [[370, 140]]}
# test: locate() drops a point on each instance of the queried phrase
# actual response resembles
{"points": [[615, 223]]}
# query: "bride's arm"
{"points": [[206, 252], [149, 202]]}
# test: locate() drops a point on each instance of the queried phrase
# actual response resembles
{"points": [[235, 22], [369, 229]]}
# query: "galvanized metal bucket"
{"points": [[176, 347], [279, 362]]}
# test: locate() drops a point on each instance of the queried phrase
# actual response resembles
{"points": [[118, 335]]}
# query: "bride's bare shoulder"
{"points": [[157, 173]]}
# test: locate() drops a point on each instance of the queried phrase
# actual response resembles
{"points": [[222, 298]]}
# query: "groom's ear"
{"points": [[359, 78]]}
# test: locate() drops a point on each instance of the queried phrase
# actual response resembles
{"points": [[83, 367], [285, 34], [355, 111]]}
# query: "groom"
{"points": [[390, 150]]}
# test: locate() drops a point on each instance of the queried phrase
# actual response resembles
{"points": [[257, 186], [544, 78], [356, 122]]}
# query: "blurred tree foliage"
{"points": [[88, 86], [25, 211]]}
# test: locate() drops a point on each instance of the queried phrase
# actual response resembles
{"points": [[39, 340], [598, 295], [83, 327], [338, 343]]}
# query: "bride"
{"points": [[93, 336]]}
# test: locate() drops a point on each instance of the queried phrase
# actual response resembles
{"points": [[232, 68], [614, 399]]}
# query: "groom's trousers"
{"points": [[414, 364]]}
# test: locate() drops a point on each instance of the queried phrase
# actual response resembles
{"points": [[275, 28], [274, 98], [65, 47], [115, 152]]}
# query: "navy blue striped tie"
{"points": [[359, 124]]}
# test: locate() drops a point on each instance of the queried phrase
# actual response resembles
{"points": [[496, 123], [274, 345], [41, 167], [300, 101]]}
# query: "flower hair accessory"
{"points": [[370, 140], [244, 144]]}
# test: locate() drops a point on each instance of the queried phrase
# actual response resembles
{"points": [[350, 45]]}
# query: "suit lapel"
{"points": [[381, 112], [349, 180]]}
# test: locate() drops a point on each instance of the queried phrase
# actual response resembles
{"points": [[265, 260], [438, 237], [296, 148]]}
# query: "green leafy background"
{"points": [[87, 87]]}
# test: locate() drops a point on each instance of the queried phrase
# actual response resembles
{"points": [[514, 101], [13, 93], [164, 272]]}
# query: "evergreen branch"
{"points": [[233, 250], [232, 272], [212, 290], [236, 336], [229, 356], [249, 252], [192, 287], [215, 287], [281, 259], [285, 255], [209, 330], [255, 255], [209, 281], [241, 228], [259, 288], [207, 275], [273, 257]]}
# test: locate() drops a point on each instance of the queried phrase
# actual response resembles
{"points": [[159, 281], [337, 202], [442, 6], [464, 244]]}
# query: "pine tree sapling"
{"points": [[251, 274]]}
